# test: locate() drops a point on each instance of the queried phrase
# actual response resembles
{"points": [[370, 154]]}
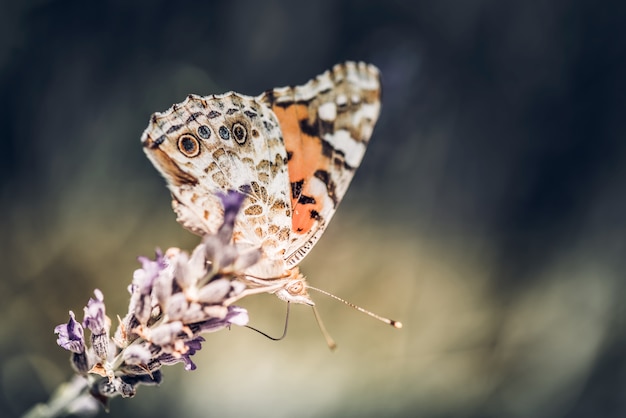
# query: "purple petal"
{"points": [[95, 318], [195, 344], [232, 201], [192, 346], [162, 285], [149, 271], [71, 335], [236, 315]]}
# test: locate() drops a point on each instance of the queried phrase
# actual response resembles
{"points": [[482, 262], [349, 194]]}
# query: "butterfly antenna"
{"points": [[329, 340], [269, 336], [395, 324]]}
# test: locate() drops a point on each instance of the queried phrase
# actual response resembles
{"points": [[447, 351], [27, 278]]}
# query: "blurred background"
{"points": [[487, 216]]}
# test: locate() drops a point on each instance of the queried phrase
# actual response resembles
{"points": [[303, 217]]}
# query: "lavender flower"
{"points": [[95, 318], [71, 335], [149, 271], [173, 299], [98, 323], [72, 338]]}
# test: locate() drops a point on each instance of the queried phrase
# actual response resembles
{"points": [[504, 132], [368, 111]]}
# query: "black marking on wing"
{"points": [[296, 188], [306, 200], [289, 102], [329, 151], [331, 187], [174, 128], [223, 132], [158, 141], [319, 128], [270, 97], [245, 189], [193, 117]]}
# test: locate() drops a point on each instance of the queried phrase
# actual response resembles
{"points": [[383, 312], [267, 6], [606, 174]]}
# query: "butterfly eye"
{"points": [[204, 132], [240, 133], [224, 134], [297, 287], [188, 145]]}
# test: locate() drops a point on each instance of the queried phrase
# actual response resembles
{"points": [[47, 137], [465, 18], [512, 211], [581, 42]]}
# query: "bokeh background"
{"points": [[487, 216]]}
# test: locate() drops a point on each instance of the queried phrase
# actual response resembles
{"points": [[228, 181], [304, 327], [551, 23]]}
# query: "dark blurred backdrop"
{"points": [[488, 213]]}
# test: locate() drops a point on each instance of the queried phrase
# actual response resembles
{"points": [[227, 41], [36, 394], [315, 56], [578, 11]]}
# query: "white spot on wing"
{"points": [[352, 149], [341, 100], [327, 111], [370, 111]]}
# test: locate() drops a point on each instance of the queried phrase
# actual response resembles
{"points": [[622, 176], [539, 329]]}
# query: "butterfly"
{"points": [[292, 150]]}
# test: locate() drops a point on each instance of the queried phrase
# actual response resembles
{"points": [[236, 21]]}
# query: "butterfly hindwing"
{"points": [[207, 145]]}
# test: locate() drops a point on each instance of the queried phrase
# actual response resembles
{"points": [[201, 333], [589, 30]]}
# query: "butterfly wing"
{"points": [[326, 126], [212, 144]]}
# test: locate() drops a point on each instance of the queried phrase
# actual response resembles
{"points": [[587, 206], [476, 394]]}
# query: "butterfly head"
{"points": [[289, 286], [296, 291]]}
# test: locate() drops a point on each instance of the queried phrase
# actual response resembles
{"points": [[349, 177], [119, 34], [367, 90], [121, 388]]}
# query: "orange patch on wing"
{"points": [[306, 159]]}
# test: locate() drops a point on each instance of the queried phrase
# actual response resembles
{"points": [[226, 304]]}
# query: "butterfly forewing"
{"points": [[326, 125]]}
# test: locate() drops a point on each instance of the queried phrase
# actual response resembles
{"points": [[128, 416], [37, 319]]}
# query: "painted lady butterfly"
{"points": [[291, 150]]}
